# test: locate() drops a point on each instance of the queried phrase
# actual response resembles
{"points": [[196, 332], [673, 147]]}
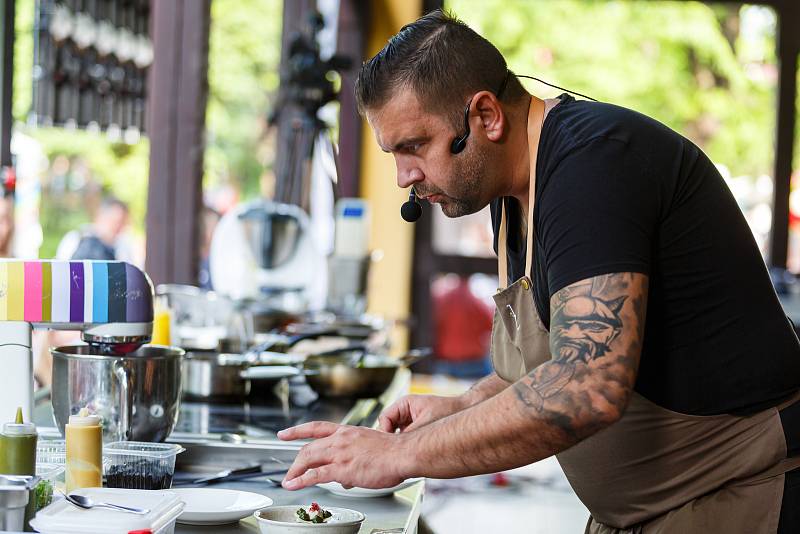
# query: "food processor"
{"points": [[110, 302]]}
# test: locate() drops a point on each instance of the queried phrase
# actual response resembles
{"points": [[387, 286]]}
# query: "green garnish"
{"points": [[321, 517], [43, 494]]}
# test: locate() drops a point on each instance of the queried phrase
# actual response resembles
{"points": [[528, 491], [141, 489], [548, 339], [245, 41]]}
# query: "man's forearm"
{"points": [[503, 432], [485, 388]]}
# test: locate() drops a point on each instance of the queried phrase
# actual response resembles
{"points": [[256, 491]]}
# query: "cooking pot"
{"points": [[231, 373], [211, 375], [137, 395], [351, 372]]}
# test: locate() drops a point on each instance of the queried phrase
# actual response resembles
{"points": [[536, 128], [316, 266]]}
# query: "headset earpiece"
{"points": [[460, 142]]}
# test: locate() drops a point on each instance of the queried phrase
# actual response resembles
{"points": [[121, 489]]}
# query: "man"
{"points": [[640, 341], [99, 240]]}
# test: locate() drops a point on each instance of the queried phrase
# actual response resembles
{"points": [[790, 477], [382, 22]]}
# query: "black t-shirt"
{"points": [[617, 191]]}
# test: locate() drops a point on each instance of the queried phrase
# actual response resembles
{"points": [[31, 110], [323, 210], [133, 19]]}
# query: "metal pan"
{"points": [[354, 373]]}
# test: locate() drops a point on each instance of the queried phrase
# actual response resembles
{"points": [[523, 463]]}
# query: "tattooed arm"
{"points": [[596, 330], [483, 389], [596, 335]]}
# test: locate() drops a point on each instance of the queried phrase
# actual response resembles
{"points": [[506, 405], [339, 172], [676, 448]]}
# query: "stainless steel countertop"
{"points": [[399, 512], [209, 453]]}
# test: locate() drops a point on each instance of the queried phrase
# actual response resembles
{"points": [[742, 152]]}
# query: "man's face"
{"points": [[113, 220], [420, 142]]}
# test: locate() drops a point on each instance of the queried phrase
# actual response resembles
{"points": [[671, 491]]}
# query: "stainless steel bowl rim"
{"points": [[166, 352]]}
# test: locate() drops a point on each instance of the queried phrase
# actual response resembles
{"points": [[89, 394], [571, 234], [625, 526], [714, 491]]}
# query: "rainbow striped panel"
{"points": [[16, 290], [32, 296], [77, 292]]}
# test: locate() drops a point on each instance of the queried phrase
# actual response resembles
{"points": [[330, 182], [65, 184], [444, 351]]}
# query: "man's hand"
{"points": [[350, 455], [413, 411]]}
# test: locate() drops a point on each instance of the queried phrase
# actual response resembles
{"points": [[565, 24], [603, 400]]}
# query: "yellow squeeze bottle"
{"points": [[84, 438]]}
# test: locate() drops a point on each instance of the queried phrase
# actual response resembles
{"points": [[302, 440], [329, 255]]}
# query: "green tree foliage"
{"points": [[244, 56], [118, 169], [686, 64], [244, 53]]}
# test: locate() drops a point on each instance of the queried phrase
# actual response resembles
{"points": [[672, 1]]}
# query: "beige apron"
{"points": [[654, 471]]}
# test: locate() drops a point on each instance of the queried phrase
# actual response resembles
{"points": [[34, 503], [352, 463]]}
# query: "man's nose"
{"points": [[408, 176]]}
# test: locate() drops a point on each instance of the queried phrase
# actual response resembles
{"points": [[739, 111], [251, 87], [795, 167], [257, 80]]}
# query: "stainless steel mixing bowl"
{"points": [[137, 395]]}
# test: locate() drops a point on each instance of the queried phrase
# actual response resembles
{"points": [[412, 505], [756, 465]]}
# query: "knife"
{"points": [[252, 471]]}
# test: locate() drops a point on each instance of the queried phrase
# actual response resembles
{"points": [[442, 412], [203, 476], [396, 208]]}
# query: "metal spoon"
{"points": [[85, 502]]}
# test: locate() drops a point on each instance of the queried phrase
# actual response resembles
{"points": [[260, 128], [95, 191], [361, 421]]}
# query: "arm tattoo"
{"points": [[595, 343]]}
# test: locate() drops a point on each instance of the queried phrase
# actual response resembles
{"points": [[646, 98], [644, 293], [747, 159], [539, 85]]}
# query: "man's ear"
{"points": [[492, 119]]}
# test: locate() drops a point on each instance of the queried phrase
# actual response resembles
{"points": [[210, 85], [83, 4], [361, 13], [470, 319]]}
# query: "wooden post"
{"points": [[7, 83], [351, 40], [178, 90], [788, 43]]}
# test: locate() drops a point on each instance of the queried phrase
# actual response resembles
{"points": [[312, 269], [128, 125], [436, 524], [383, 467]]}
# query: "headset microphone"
{"points": [[411, 211]]}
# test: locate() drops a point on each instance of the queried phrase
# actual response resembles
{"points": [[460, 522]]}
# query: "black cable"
{"points": [[555, 86]]}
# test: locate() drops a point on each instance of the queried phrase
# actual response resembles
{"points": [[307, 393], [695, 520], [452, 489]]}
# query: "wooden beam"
{"points": [[351, 40], [788, 43], [178, 90], [7, 82]]}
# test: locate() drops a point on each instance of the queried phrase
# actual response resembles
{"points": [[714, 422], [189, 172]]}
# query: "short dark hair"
{"points": [[111, 201], [442, 60]]}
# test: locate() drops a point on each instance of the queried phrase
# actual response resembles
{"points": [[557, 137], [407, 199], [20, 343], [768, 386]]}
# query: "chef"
{"points": [[636, 335]]}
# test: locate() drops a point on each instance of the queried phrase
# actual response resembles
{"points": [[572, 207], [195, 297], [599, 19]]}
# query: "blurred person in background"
{"points": [[463, 329], [6, 226], [208, 223], [101, 239]]}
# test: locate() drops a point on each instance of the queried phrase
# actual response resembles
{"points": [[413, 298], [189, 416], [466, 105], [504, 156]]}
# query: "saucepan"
{"points": [[212, 375], [228, 374], [353, 372]]}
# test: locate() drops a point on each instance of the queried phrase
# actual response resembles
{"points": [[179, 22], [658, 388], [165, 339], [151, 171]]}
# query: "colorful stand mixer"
{"points": [[111, 303]]}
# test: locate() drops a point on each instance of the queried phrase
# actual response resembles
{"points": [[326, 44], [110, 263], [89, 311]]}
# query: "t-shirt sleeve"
{"points": [[597, 214]]}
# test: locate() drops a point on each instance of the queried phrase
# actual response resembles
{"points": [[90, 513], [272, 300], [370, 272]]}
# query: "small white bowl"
{"points": [[283, 520]]}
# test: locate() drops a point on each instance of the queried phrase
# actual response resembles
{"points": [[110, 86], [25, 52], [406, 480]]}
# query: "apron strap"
{"points": [[535, 123], [502, 254]]}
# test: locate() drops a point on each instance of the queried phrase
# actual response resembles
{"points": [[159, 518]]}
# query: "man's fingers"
{"points": [[395, 416], [313, 430], [311, 477], [385, 424], [312, 455]]}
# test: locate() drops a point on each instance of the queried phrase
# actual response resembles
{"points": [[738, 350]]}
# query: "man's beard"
{"points": [[469, 173]]}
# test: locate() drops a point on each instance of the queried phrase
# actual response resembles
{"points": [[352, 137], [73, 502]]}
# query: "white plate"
{"points": [[338, 489], [210, 506]]}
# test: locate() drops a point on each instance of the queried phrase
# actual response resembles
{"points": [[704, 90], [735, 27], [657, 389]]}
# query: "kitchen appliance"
{"points": [[348, 266], [137, 394], [263, 251], [111, 303], [15, 491], [200, 318]]}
